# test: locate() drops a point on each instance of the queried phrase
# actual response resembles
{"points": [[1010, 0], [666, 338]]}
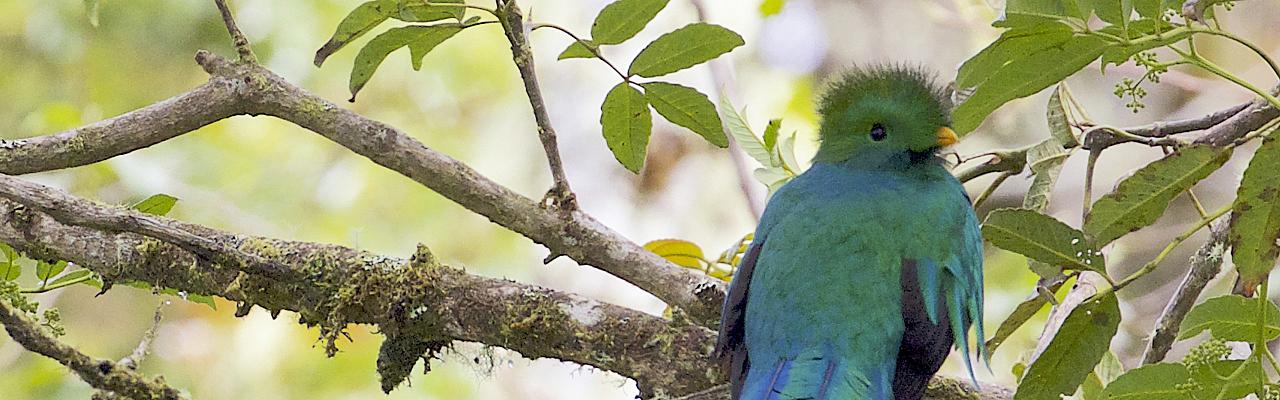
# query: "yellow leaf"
{"points": [[680, 252]]}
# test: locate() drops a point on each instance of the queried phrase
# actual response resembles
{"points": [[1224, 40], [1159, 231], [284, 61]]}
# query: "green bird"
{"points": [[866, 268]]}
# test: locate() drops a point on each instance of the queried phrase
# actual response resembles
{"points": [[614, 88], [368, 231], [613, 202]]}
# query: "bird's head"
{"points": [[881, 112]]}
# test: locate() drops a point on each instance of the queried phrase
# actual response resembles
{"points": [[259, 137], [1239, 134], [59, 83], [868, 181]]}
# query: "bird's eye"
{"points": [[877, 132]]}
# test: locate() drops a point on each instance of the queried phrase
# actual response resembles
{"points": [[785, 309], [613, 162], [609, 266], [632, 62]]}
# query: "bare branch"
{"points": [[206, 104], [513, 25], [721, 79], [249, 89], [1005, 161], [1255, 116], [100, 373], [1205, 265], [415, 298], [1160, 129], [221, 248], [940, 388], [237, 37], [144, 345]]}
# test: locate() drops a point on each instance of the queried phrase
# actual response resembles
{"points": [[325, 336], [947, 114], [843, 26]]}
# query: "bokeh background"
{"points": [[266, 177]]}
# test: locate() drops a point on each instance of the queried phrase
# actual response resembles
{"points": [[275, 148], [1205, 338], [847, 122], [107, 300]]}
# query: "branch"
{"points": [[204, 105], [415, 301], [721, 79], [221, 248], [250, 89], [940, 388], [1205, 265], [144, 345], [408, 300], [513, 25], [1221, 128], [237, 37], [1103, 139], [1257, 114], [100, 373]]}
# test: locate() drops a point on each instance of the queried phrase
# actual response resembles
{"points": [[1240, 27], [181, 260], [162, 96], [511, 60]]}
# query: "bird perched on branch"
{"points": [[867, 267]]}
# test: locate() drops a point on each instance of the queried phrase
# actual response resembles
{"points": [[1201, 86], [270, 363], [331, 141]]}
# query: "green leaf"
{"points": [[1116, 12], [1091, 388], [680, 252], [202, 299], [357, 23], [1150, 382], [47, 270], [683, 48], [1155, 8], [741, 131], [1078, 346], [578, 50], [420, 11], [772, 177], [627, 124], [1141, 198], [1020, 315], [1145, 37], [1255, 217], [1046, 160], [420, 39], [1052, 9], [1227, 379], [623, 19], [91, 8], [786, 150], [158, 204], [1056, 115], [71, 276], [1042, 238], [1231, 318], [771, 7], [687, 107], [1011, 44], [1019, 65], [771, 133], [9, 269]]}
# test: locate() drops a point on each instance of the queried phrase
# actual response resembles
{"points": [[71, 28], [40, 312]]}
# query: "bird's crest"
{"points": [[883, 108]]}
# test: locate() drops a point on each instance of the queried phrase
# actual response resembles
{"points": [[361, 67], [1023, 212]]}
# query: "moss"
{"points": [[261, 247]]}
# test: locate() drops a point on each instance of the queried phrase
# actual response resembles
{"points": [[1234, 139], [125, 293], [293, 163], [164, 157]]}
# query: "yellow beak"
{"points": [[947, 137]]}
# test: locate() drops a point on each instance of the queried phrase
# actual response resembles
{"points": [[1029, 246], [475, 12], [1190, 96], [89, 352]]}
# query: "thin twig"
{"points": [[986, 194], [134, 359], [1089, 167], [237, 37], [1205, 264], [747, 184], [99, 373], [560, 196], [594, 51]]}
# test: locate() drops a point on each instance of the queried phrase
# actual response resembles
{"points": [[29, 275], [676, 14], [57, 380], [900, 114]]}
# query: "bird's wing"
{"points": [[962, 286], [730, 347]]}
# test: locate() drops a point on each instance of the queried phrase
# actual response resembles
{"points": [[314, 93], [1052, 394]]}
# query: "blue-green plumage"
{"points": [[868, 266]]}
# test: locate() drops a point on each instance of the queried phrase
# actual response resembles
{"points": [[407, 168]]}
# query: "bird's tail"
{"points": [[819, 377]]}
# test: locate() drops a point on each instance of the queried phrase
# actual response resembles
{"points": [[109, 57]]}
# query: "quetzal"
{"points": [[866, 268]]}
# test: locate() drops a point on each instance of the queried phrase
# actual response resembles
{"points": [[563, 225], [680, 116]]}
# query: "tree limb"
{"points": [[1205, 264], [250, 89], [417, 298], [102, 374], [513, 25]]}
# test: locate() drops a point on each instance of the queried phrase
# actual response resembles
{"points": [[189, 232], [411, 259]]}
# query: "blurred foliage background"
{"points": [[266, 177]]}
